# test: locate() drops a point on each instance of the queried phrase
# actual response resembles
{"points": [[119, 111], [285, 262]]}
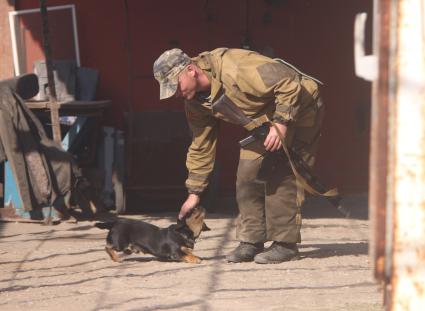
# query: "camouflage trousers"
{"points": [[268, 209]]}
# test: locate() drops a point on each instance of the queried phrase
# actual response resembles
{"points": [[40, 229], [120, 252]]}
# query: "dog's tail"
{"points": [[105, 225]]}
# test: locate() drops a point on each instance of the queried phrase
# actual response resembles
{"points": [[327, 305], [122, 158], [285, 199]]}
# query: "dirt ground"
{"points": [[65, 267]]}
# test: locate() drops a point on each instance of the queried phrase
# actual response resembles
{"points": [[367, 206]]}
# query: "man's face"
{"points": [[188, 84]]}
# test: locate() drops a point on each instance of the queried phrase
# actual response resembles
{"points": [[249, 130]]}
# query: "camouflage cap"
{"points": [[166, 70]]}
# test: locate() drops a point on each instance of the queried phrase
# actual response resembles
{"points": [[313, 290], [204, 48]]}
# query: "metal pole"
{"points": [[130, 77], [378, 159]]}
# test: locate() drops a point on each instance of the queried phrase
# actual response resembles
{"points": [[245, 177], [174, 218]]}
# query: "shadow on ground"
{"points": [[313, 207]]}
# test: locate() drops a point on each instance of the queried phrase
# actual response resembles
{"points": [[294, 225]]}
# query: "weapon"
{"points": [[259, 132]]}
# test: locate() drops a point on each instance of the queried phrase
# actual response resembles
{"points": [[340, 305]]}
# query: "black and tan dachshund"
{"points": [[175, 242]]}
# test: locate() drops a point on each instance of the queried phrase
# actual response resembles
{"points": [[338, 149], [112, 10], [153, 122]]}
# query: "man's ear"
{"points": [[191, 70]]}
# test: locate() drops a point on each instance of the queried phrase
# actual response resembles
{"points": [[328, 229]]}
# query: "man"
{"points": [[263, 89]]}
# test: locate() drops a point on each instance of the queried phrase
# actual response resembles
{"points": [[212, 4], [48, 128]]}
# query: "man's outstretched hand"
{"points": [[191, 202]]}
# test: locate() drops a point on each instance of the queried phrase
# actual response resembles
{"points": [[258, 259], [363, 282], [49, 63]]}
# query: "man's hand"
{"points": [[272, 141], [191, 202]]}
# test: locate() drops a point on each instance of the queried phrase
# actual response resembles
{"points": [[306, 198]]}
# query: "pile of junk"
{"points": [[46, 180]]}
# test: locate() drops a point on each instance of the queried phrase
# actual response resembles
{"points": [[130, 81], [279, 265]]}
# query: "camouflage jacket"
{"points": [[259, 86]]}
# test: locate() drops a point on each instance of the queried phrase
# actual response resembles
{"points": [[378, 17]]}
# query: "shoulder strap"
{"points": [[297, 70]]}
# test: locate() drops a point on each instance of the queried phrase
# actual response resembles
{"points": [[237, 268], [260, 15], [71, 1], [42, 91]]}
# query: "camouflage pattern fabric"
{"points": [[166, 71], [259, 86]]}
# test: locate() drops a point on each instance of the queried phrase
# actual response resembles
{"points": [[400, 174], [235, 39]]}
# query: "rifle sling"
{"points": [[302, 183]]}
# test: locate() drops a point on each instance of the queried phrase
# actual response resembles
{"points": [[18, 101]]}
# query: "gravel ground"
{"points": [[65, 266]]}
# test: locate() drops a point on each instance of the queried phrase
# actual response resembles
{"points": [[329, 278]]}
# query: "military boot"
{"points": [[245, 252], [278, 252]]}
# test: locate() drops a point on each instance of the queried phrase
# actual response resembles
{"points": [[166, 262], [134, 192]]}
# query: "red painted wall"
{"points": [[102, 41], [317, 36]]}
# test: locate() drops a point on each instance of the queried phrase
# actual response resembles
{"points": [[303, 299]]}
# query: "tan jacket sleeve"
{"points": [[201, 153], [287, 94]]}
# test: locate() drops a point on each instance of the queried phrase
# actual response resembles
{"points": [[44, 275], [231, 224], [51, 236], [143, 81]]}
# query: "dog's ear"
{"points": [[180, 224], [205, 227]]}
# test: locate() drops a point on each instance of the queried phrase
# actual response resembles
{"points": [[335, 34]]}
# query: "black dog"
{"points": [[173, 243]]}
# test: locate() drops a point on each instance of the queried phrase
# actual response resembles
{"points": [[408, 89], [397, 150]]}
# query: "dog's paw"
{"points": [[191, 259], [113, 254]]}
